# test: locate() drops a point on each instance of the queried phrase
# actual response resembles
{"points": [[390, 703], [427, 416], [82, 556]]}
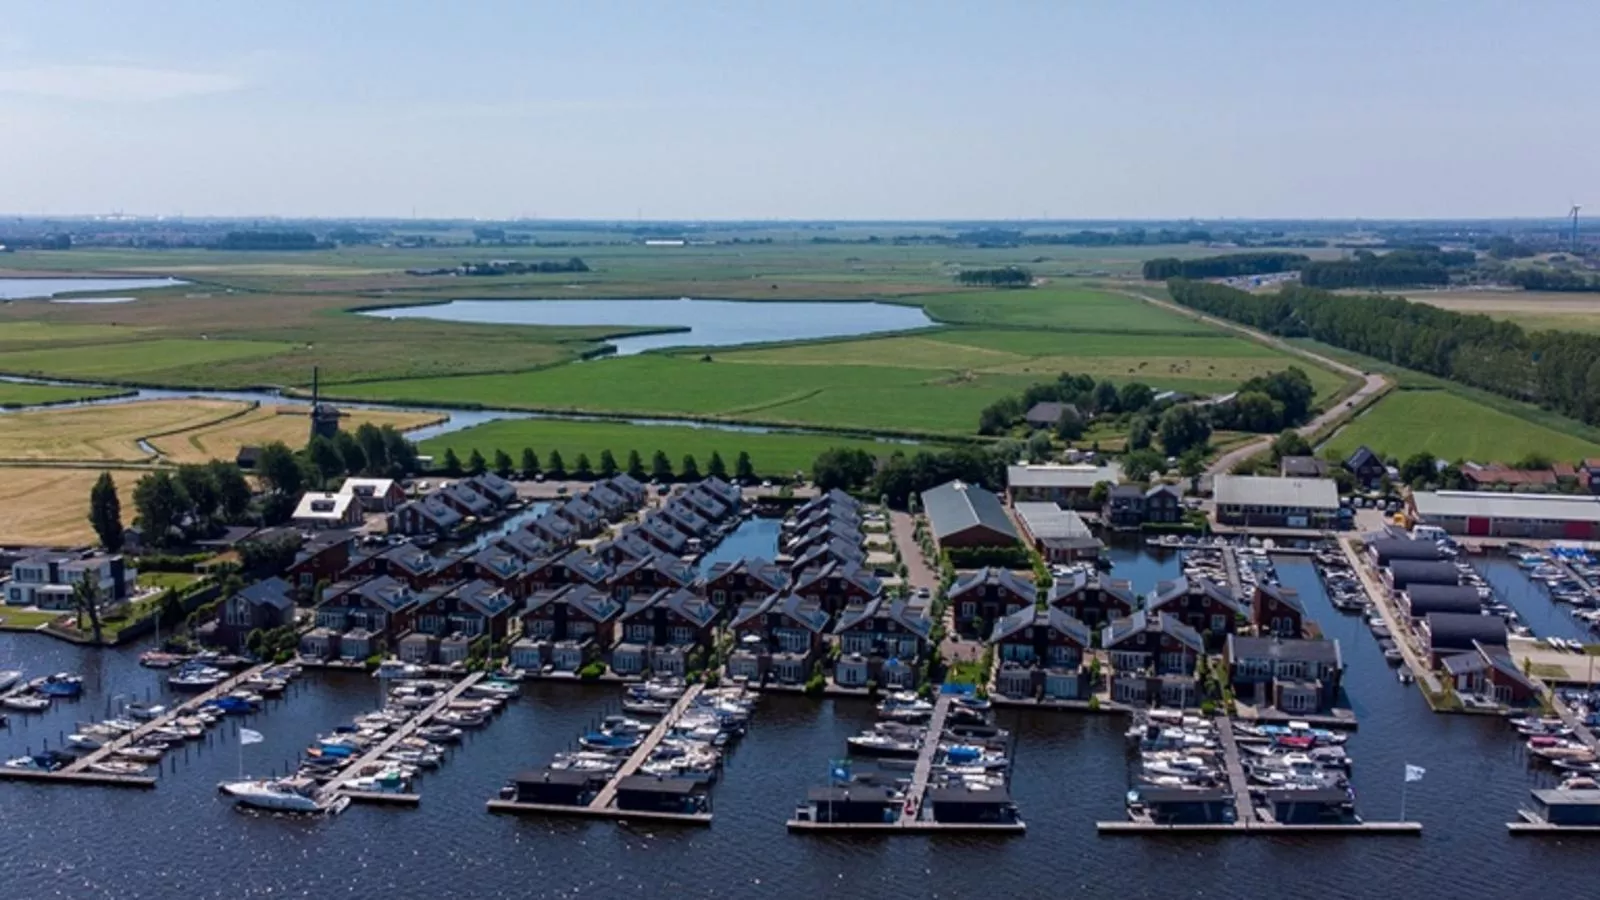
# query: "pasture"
{"points": [[1536, 310], [50, 506], [13, 394], [1453, 427]]}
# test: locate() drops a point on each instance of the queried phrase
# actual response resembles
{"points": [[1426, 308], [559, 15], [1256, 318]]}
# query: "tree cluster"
{"points": [[193, 501], [583, 469], [1397, 268], [1554, 280], [1006, 277], [1226, 266], [1082, 392], [373, 451], [270, 240], [1267, 403], [1557, 370], [520, 267]]}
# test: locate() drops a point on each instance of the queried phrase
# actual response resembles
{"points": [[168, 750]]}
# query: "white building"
{"points": [[47, 580]]}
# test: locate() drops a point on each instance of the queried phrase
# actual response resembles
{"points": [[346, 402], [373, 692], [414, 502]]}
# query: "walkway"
{"points": [[1243, 809], [1399, 626], [608, 793], [919, 574], [919, 776], [183, 709], [386, 745], [1230, 561]]}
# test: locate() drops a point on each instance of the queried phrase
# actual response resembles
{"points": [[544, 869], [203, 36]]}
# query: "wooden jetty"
{"points": [[603, 804], [1243, 809], [336, 787], [924, 768], [1230, 563]]}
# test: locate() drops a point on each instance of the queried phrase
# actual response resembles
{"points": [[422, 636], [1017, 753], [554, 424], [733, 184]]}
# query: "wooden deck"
{"points": [[589, 812], [88, 779], [608, 794], [1230, 562], [336, 786], [924, 769], [1243, 809]]}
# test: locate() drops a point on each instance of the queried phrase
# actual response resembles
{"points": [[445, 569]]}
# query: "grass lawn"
{"points": [[167, 580], [1535, 310], [772, 454], [222, 440], [1454, 427], [104, 433], [14, 394], [51, 506], [31, 335], [25, 620]]}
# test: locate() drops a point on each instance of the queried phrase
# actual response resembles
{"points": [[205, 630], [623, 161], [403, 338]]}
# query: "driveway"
{"points": [[921, 575]]}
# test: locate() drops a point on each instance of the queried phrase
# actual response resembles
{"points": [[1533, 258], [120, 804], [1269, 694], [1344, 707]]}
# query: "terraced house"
{"points": [[881, 640], [733, 583], [985, 596], [1153, 658], [1092, 599], [1294, 676], [565, 628], [777, 638], [1040, 653], [659, 632], [367, 616], [1204, 605]]}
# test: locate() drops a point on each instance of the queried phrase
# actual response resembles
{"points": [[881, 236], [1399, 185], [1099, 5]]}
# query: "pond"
{"points": [[41, 288], [697, 323]]}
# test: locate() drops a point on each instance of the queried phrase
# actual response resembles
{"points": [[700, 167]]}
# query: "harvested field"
{"points": [[104, 433], [265, 424], [51, 506]]}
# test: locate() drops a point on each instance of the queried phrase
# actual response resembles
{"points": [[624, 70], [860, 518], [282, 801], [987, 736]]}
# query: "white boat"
{"points": [[26, 703], [119, 767], [394, 668], [142, 754], [144, 711], [84, 742], [501, 689], [8, 678], [296, 795]]}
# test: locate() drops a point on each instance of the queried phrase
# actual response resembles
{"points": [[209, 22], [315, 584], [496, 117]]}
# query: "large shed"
{"points": [[965, 515]]}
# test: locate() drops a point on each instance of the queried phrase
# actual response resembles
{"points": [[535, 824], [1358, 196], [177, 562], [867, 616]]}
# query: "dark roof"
{"points": [[1129, 491], [1048, 412], [1452, 598], [1324, 796], [855, 793], [963, 795], [1362, 457], [1465, 662], [1169, 591], [1405, 572], [1458, 631], [1303, 467], [1152, 795], [1316, 651], [650, 784], [1004, 579], [1501, 662], [1287, 596], [271, 592], [956, 506], [1394, 549], [1120, 630], [1057, 619], [560, 776]]}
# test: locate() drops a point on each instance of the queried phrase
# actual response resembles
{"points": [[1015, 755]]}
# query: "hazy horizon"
{"points": [[824, 111]]}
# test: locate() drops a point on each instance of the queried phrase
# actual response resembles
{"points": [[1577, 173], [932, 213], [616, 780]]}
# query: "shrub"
{"points": [[816, 684], [1208, 708], [374, 660], [872, 688], [592, 671]]}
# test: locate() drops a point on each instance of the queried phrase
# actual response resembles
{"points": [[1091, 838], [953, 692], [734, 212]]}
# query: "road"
{"points": [[921, 575], [1372, 384]]}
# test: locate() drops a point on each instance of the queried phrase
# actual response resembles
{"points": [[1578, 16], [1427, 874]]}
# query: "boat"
{"points": [[1405, 676], [231, 706], [9, 678], [440, 734], [874, 744], [609, 743], [40, 763], [296, 795], [622, 725], [644, 707], [1582, 767], [60, 684], [156, 659], [392, 781], [501, 689], [119, 767], [144, 711], [142, 753], [394, 668], [26, 703], [194, 679]]}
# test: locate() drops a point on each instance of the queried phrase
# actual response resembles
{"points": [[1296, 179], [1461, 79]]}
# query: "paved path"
{"points": [[919, 574], [1372, 383], [1399, 627], [919, 776], [404, 731], [608, 793]]}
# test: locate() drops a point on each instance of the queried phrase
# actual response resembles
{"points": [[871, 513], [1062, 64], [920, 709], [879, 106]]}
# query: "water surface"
{"points": [[39, 288]]}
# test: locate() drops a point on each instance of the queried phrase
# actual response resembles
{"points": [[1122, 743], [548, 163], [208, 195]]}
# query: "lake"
{"points": [[703, 323], [41, 288]]}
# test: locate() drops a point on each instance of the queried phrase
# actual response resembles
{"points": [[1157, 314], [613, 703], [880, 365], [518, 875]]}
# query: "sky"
{"points": [[799, 109]]}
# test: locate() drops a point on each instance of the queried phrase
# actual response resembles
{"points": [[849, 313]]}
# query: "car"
{"points": [[924, 593], [766, 484]]}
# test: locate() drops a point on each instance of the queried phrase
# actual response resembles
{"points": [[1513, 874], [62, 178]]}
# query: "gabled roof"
{"points": [[603, 494], [1363, 456], [855, 614], [664, 532], [385, 592], [1003, 579], [1169, 591], [1302, 467], [685, 518], [274, 592], [834, 551], [586, 566], [1323, 651], [1121, 629], [1503, 665], [754, 608], [846, 571], [956, 506], [1264, 490], [484, 597], [494, 487], [628, 543], [1078, 580], [411, 559], [1056, 619], [627, 485], [912, 616], [707, 502], [433, 509], [763, 570], [728, 492], [688, 605], [805, 613], [525, 544], [593, 604], [580, 509], [668, 567], [1465, 663], [1287, 596], [501, 562], [475, 502], [1177, 494], [1047, 412], [834, 498], [552, 525]]}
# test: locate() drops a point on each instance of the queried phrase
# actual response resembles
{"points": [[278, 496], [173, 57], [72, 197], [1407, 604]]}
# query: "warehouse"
{"points": [[966, 515], [1489, 514], [1263, 502], [1065, 485], [1059, 535], [1404, 574]]}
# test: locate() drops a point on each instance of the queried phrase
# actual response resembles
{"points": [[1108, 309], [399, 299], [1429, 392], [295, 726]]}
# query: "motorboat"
{"points": [[609, 743], [391, 781], [30, 703], [297, 795], [119, 767], [423, 758], [79, 741], [142, 753], [440, 734], [495, 688], [622, 725], [193, 679], [1579, 766], [394, 668], [266, 687], [232, 706], [144, 711], [645, 707], [877, 744], [461, 719], [60, 684], [9, 678], [156, 659]]}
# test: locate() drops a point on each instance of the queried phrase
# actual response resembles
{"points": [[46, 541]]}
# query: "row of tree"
{"points": [[1267, 403], [1006, 277], [1558, 370], [1397, 268], [1554, 280], [173, 505], [378, 452], [660, 468], [1229, 265], [1085, 394]]}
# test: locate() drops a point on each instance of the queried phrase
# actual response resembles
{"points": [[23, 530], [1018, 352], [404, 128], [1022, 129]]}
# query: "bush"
{"points": [[872, 688], [816, 685], [1014, 557], [1208, 708], [1094, 703], [592, 671], [374, 660]]}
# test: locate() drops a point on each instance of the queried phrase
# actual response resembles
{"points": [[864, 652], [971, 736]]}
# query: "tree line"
{"points": [[373, 451], [1557, 370], [1554, 280], [1229, 265], [1397, 268], [1006, 277], [583, 469], [270, 240], [1267, 403]]}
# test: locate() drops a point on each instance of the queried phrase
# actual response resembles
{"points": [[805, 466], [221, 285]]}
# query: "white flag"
{"points": [[249, 736], [1414, 773]]}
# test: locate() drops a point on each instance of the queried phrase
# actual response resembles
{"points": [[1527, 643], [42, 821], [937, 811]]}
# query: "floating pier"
{"points": [[336, 787], [1260, 829], [1244, 809]]}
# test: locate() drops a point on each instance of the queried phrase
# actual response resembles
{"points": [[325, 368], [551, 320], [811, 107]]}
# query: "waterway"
{"points": [[44, 288], [701, 323], [181, 840], [1529, 598]]}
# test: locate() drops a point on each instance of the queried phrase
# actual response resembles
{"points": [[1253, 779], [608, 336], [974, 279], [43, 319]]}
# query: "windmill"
{"points": [[1574, 214]]}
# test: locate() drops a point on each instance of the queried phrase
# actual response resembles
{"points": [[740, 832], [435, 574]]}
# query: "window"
{"points": [[969, 609], [682, 634], [638, 634], [1219, 624]]}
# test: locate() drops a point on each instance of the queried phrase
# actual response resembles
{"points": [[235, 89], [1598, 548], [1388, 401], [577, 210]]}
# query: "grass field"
{"points": [[772, 454], [14, 394], [1068, 308], [135, 360], [51, 506], [265, 424], [1554, 310], [104, 433], [1454, 427]]}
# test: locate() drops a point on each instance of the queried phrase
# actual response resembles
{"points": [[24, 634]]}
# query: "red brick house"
{"points": [[1092, 600], [1276, 610], [320, 560], [777, 637], [982, 598], [409, 563], [835, 585], [648, 575], [1204, 605], [732, 583]]}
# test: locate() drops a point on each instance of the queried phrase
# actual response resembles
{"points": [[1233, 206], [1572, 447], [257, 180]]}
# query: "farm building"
{"points": [[1059, 534], [966, 515], [1266, 502], [1047, 413], [1067, 485], [1574, 517]]}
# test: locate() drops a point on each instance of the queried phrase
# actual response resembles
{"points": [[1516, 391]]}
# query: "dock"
{"points": [[1260, 829], [1567, 570], [919, 776], [608, 794], [1243, 808], [1399, 628], [335, 787], [1230, 562]]}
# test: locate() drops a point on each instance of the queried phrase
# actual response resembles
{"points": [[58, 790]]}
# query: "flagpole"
{"points": [[1404, 785]]}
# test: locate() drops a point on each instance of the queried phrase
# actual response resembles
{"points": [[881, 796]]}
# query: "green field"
{"points": [[1073, 309], [133, 361], [1453, 427], [772, 454], [14, 394]]}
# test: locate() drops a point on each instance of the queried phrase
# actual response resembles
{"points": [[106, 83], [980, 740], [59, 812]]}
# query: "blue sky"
{"points": [[817, 109]]}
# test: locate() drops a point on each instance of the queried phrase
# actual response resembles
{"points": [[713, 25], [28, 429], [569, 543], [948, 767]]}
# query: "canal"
{"points": [[181, 839]]}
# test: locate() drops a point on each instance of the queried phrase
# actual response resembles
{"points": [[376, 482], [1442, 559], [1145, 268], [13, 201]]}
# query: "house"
{"points": [[1293, 675], [1403, 573], [648, 575], [571, 567], [630, 488], [526, 546], [1202, 604], [320, 644], [565, 628], [833, 553], [472, 609], [1152, 641], [321, 559], [985, 596], [777, 638], [1267, 502], [1489, 670], [1047, 414], [1450, 633], [663, 536], [320, 509], [261, 606], [1366, 467], [685, 518], [492, 488], [1485, 514], [247, 457], [553, 530], [1384, 551], [1059, 535], [835, 506], [1187, 805], [587, 518], [625, 545], [881, 641], [708, 503], [371, 614], [1589, 476], [966, 515], [1418, 600], [1163, 504], [1092, 599], [835, 585], [729, 494], [660, 630], [1124, 507], [430, 516], [732, 582], [466, 501], [415, 566], [1277, 611], [823, 534], [1499, 475], [47, 580], [1063, 485], [419, 648], [503, 568], [1039, 652], [376, 495], [608, 500], [1302, 467]]}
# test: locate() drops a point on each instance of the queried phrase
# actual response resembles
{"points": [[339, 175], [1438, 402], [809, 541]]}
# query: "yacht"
{"points": [[8, 678], [283, 795], [26, 703], [60, 685], [195, 679], [144, 711], [876, 744], [85, 741], [119, 767], [394, 668]]}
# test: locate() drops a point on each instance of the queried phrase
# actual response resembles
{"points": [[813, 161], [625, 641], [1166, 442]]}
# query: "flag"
{"points": [[839, 769], [250, 736], [1414, 773]]}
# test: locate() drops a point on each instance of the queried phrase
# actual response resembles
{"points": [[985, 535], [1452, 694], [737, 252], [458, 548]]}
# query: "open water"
{"points": [[182, 840]]}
